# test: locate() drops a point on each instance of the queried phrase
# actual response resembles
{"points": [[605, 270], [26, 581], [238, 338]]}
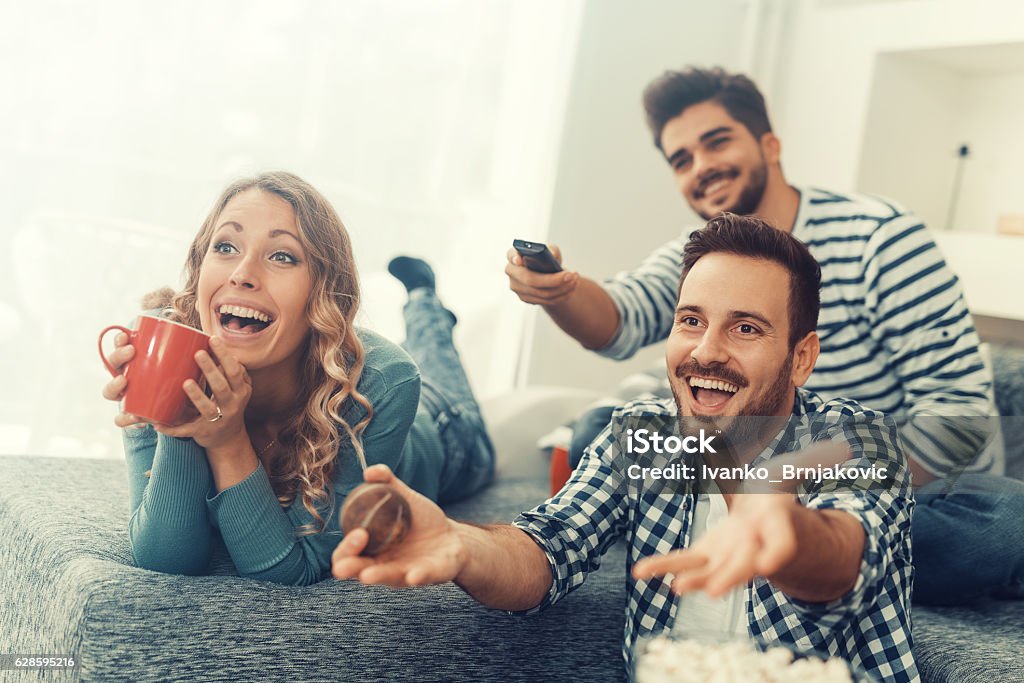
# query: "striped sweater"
{"points": [[895, 331]]}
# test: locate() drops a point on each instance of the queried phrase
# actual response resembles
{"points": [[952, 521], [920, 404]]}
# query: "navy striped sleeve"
{"points": [[918, 314], [645, 299]]}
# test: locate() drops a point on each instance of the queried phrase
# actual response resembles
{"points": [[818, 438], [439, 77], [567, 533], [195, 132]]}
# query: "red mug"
{"points": [[164, 358]]}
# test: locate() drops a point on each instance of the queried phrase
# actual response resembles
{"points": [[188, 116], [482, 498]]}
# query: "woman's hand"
{"points": [[114, 389], [221, 417]]}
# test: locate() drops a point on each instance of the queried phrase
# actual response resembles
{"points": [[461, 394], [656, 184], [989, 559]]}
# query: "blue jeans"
{"points": [[587, 428], [447, 397], [968, 542]]}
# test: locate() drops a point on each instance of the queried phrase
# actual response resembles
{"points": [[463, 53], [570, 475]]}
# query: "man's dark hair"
{"points": [[750, 236], [668, 95]]}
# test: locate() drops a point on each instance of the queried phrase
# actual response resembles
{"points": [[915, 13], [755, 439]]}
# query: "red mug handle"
{"points": [[110, 368]]}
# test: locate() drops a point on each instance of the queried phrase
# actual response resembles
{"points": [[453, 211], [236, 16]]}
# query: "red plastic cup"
{"points": [[560, 470], [164, 358]]}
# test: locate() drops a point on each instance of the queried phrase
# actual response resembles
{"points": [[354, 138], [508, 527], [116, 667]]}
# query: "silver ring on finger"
{"points": [[219, 415]]}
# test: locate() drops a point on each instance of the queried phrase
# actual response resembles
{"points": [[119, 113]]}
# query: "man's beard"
{"points": [[750, 196], [753, 421]]}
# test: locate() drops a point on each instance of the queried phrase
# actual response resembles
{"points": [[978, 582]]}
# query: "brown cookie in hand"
{"points": [[379, 509]]}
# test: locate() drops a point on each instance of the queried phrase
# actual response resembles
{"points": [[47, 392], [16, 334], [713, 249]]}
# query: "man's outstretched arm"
{"points": [[616, 317], [811, 555], [500, 566], [578, 305], [504, 568]]}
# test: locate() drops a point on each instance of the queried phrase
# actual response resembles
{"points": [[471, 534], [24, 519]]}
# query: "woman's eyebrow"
{"points": [[279, 232], [273, 233]]}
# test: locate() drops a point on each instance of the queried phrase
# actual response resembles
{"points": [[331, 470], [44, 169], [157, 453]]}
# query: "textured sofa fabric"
{"points": [[66, 586], [982, 643]]}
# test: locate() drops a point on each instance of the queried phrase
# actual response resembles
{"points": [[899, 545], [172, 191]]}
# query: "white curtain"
{"points": [[432, 127]]}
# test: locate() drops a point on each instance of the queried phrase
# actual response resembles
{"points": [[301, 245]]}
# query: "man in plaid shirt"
{"points": [[827, 569]]}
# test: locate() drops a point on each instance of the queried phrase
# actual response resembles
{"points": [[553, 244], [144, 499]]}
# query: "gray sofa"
{"points": [[67, 587]]}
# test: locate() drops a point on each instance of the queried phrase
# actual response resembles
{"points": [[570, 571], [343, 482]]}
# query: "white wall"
{"points": [[820, 104], [993, 182], [614, 196], [432, 128], [989, 268], [923, 106], [914, 127]]}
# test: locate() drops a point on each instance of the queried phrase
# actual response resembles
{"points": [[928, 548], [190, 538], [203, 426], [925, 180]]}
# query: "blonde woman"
{"points": [[299, 400]]}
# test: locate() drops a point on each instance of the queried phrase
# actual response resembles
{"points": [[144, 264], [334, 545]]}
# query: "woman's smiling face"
{"points": [[255, 282]]}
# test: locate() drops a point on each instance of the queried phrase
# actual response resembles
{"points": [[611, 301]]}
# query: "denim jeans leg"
{"points": [[968, 542], [469, 454], [587, 428]]}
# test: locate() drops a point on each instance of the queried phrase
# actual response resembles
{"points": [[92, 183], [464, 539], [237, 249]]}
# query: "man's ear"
{"points": [[771, 147], [805, 355]]}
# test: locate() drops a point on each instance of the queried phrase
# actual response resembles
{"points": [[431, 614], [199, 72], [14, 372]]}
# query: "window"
{"points": [[432, 128]]}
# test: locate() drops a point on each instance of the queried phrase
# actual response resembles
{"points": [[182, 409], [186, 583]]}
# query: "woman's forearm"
{"points": [[261, 536], [232, 462], [169, 529]]}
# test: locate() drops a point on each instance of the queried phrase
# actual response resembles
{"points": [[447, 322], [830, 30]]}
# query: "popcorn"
{"points": [[667, 660]]}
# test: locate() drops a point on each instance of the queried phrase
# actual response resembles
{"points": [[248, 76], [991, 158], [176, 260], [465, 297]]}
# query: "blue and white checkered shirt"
{"points": [[869, 626]]}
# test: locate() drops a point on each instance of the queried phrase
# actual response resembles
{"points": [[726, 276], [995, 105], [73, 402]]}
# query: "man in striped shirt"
{"points": [[895, 331]]}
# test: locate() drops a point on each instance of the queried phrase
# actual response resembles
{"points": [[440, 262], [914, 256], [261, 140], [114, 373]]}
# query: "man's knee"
{"points": [[981, 514]]}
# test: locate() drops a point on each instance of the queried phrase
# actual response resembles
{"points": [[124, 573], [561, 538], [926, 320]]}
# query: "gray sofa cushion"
{"points": [[982, 643], [66, 586]]}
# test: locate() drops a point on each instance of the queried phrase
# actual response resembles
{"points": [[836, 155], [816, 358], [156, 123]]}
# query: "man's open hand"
{"points": [[430, 553], [760, 537], [756, 539]]}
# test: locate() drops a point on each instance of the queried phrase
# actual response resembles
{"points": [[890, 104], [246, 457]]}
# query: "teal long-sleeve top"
{"points": [[177, 515]]}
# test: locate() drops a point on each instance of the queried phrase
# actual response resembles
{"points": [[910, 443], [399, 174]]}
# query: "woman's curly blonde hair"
{"points": [[332, 362]]}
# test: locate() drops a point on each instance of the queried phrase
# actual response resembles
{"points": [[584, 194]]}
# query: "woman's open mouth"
{"points": [[711, 393], [243, 321]]}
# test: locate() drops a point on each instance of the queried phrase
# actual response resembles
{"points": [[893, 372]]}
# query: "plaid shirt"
{"points": [[869, 626]]}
